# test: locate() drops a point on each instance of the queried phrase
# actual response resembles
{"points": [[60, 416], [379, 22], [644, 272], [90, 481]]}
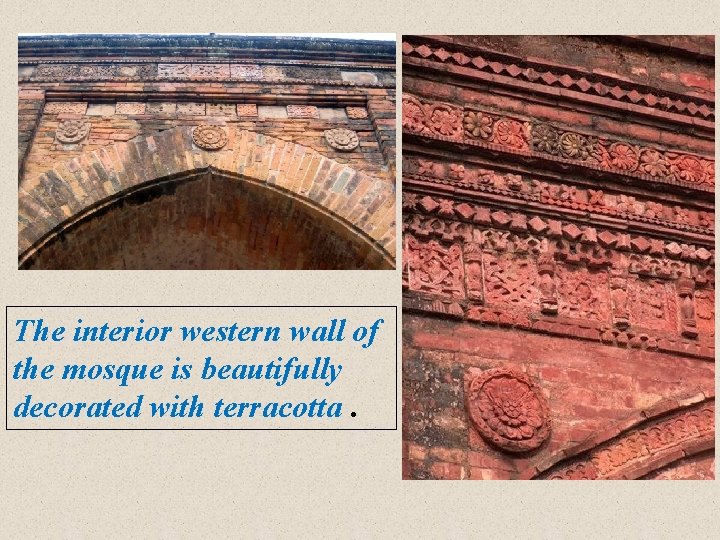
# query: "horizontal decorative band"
{"points": [[582, 243], [198, 72], [442, 121], [499, 318], [485, 182], [570, 79]]}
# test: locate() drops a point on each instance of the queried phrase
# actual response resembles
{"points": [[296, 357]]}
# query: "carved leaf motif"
{"points": [[435, 269]]}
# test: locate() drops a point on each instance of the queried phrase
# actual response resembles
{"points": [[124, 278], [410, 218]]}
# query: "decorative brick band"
{"points": [[73, 190], [441, 121], [544, 75], [197, 72], [486, 183], [559, 279], [641, 444], [515, 222]]}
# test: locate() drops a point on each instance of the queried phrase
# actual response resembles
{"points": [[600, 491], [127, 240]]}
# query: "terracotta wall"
{"points": [[558, 265]]}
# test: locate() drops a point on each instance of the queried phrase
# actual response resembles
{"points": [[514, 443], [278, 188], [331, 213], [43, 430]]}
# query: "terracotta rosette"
{"points": [[72, 131], [508, 409], [342, 139], [209, 137]]}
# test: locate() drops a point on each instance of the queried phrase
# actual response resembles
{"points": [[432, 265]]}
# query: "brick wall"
{"points": [[79, 96], [558, 265]]}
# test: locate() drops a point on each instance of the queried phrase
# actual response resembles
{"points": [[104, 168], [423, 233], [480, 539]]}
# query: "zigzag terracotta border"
{"points": [[588, 83]]}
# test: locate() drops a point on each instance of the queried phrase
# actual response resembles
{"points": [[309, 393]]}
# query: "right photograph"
{"points": [[558, 257]]}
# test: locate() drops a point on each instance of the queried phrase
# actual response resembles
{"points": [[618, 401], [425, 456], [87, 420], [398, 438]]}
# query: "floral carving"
{"points": [[72, 131], [210, 71], [302, 111], [356, 113], [583, 294], [508, 410], [242, 71], [510, 281], [130, 107], [63, 107], [623, 157], [688, 169], [575, 146], [445, 121], [342, 139], [478, 124], [652, 305], [545, 138], [432, 118], [624, 456], [449, 121], [434, 269], [247, 109], [628, 204], [510, 133], [209, 137], [653, 163], [705, 311]]}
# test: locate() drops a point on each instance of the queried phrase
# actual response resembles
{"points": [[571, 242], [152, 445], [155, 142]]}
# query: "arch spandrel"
{"points": [[54, 201]]}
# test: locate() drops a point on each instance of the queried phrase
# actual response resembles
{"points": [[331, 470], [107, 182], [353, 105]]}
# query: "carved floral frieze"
{"points": [[463, 125]]}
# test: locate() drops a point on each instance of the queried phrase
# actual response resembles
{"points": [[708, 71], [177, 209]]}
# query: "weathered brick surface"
{"points": [[117, 117], [558, 264]]}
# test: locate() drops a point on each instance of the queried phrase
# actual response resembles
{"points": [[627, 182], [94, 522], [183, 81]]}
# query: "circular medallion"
{"points": [[72, 131], [508, 410], [342, 139], [209, 137]]}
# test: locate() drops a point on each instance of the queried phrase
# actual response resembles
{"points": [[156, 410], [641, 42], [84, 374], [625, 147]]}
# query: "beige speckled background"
{"points": [[267, 484]]}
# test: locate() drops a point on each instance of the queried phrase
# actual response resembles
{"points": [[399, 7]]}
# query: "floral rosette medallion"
{"points": [[508, 410], [342, 139], [72, 131], [209, 137]]}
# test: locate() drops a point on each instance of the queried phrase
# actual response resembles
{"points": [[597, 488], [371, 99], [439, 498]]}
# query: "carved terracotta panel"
{"points": [[434, 268], [652, 304], [510, 280], [583, 293], [705, 311]]}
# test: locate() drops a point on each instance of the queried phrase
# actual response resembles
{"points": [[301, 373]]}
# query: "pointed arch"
{"points": [[54, 202]]}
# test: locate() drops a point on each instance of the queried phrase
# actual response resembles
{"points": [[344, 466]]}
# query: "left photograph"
{"points": [[213, 151]]}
